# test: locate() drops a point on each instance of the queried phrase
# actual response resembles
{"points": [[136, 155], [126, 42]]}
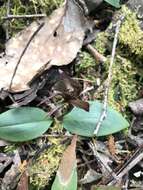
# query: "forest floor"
{"points": [[70, 69]]}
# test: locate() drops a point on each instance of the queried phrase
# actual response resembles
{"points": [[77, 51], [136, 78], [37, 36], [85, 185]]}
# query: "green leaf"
{"points": [[23, 124], [71, 185], [84, 123], [114, 3], [66, 178]]}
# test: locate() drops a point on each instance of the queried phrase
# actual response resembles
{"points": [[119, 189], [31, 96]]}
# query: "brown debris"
{"points": [[57, 42]]}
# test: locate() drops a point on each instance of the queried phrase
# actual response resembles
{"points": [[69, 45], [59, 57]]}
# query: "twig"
{"points": [[8, 17], [104, 112], [83, 79], [87, 90], [23, 52], [85, 163], [7, 22], [136, 158], [101, 161], [98, 56]]}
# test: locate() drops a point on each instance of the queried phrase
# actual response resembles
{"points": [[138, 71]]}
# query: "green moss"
{"points": [[87, 66], [101, 42], [127, 74], [42, 171], [131, 35], [46, 165], [20, 7], [124, 86]]}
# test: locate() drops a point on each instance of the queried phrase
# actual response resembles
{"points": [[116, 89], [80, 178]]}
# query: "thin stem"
{"points": [[104, 111]]}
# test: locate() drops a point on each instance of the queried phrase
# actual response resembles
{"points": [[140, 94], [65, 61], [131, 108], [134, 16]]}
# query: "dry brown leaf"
{"points": [[111, 145], [56, 43], [23, 183], [68, 161]]}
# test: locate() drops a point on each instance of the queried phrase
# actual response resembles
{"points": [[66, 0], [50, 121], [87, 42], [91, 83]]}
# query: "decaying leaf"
{"points": [[56, 41], [66, 177], [69, 89], [5, 161], [111, 145], [12, 176], [90, 177], [23, 183]]}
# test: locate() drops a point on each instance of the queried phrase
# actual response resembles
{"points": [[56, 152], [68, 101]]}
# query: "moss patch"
{"points": [[20, 7], [131, 35], [127, 73], [46, 165]]}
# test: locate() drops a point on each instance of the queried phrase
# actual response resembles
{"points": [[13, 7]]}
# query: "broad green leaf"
{"points": [[84, 123], [66, 178], [114, 3], [23, 124]]}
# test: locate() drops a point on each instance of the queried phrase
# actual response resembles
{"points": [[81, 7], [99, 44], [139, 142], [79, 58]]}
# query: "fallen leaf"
{"points": [[69, 89], [66, 177], [137, 106], [90, 176], [12, 176], [23, 183], [57, 41], [111, 145], [5, 161]]}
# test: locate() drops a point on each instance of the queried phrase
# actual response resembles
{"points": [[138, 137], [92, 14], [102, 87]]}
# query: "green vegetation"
{"points": [[43, 169], [20, 7], [127, 73], [126, 78]]}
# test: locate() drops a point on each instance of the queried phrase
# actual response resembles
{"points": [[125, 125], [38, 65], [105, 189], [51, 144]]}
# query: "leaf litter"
{"points": [[57, 41]]}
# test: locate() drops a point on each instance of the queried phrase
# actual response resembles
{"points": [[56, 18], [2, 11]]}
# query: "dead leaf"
{"points": [[68, 161], [111, 145], [90, 176], [137, 106], [56, 43], [12, 176], [23, 183], [69, 89], [5, 161]]}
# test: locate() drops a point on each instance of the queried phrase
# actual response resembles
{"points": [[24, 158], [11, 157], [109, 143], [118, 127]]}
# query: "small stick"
{"points": [[7, 22], [104, 112], [86, 90], [98, 56], [99, 159], [8, 17], [129, 165]]}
